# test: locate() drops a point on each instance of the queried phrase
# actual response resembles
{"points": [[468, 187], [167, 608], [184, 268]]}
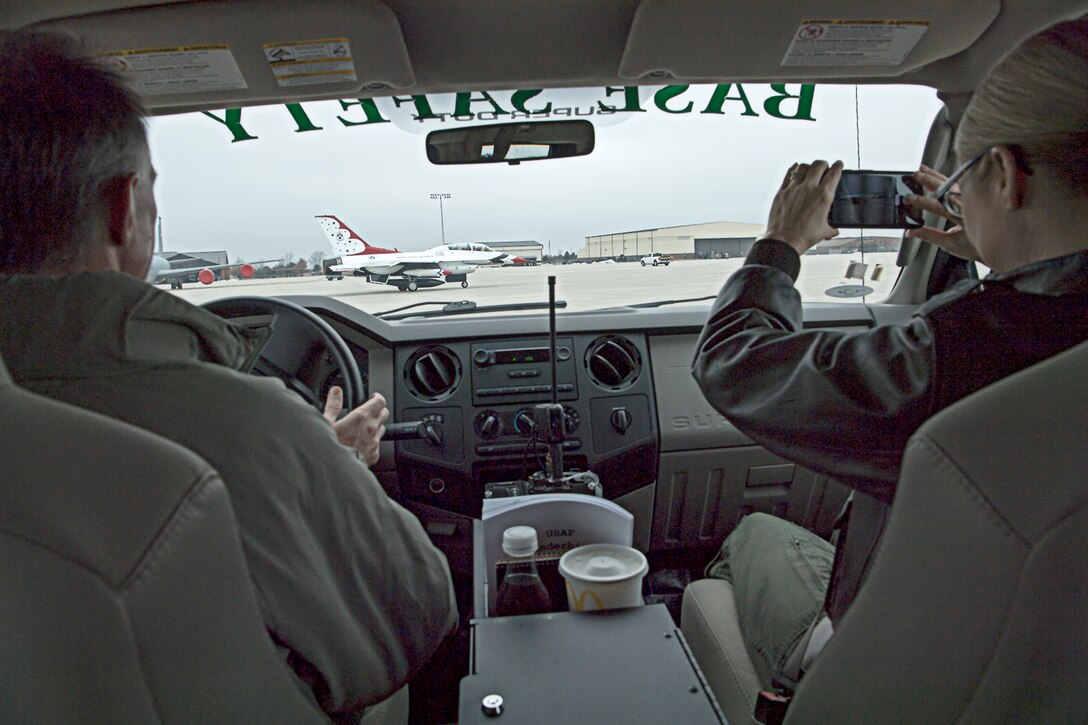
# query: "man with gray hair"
{"points": [[350, 586]]}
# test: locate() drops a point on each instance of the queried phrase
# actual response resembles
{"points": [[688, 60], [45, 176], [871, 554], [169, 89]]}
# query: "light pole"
{"points": [[441, 214]]}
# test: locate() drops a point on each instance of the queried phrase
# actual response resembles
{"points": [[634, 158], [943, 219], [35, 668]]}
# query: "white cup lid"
{"points": [[603, 563], [519, 541]]}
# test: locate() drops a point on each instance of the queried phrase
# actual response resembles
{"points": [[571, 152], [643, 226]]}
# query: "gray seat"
{"points": [[125, 596], [974, 609]]}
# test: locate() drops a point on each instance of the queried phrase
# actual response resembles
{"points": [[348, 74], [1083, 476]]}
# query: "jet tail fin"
{"points": [[344, 241]]}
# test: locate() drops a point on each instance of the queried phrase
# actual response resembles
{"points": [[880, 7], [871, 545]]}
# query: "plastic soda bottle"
{"points": [[521, 591]]}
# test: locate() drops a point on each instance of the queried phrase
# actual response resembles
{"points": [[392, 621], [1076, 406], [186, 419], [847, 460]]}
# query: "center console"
{"points": [[618, 665]]}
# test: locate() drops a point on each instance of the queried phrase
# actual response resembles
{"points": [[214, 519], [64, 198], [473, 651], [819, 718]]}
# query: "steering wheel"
{"points": [[303, 350]]}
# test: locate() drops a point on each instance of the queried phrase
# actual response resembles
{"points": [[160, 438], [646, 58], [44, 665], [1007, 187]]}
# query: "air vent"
{"points": [[613, 363], [432, 373]]}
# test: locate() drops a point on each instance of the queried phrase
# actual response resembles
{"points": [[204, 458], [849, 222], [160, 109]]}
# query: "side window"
{"points": [[947, 271]]}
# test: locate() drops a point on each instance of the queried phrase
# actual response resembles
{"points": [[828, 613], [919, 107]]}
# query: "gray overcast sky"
{"points": [[257, 199]]}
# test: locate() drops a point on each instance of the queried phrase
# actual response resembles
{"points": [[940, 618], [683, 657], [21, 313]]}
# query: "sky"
{"points": [[257, 198]]}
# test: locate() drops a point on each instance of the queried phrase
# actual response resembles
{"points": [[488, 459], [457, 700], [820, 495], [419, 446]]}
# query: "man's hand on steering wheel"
{"points": [[362, 428], [294, 328]]}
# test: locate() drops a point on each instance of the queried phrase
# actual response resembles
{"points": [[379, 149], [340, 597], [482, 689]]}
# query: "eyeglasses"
{"points": [[949, 192]]}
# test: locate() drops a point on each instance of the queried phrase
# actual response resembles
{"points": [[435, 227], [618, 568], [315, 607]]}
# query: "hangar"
{"points": [[527, 249], [713, 240], [195, 259], [709, 240]]}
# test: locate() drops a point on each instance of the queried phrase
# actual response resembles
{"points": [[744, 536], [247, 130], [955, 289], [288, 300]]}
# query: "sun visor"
{"points": [[202, 53], [817, 39]]}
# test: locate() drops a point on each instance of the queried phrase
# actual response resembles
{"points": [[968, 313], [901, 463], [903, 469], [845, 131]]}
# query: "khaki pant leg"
{"points": [[779, 572]]}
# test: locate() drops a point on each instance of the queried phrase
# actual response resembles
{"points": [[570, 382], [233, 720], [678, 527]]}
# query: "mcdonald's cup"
{"points": [[603, 576]]}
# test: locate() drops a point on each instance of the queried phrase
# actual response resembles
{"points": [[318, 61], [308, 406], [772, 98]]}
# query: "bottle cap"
{"points": [[519, 541]]}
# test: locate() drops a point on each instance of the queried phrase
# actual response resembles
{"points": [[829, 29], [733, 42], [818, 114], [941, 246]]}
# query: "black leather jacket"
{"points": [[845, 403]]}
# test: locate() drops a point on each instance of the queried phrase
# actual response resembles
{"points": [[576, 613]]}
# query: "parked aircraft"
{"points": [[404, 270], [518, 262], [160, 271]]}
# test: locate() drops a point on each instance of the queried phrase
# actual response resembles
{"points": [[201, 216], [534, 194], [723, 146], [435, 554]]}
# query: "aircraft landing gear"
{"points": [[174, 284], [412, 286], [464, 284]]}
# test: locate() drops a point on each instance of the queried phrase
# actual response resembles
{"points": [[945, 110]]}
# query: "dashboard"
{"points": [[481, 394], [635, 416]]}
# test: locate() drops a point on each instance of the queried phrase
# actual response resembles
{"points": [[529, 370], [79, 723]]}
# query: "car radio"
{"points": [[520, 371]]}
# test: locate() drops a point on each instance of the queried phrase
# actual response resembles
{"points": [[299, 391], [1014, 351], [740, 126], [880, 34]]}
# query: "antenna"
{"points": [[551, 337], [549, 419]]}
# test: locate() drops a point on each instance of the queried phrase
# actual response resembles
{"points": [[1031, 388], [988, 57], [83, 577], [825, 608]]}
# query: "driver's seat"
{"points": [[125, 596]]}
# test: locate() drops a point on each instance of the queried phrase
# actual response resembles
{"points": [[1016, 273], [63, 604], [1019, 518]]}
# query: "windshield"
{"points": [[669, 201]]}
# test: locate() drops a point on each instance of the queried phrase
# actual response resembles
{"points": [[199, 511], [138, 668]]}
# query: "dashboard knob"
{"points": [[524, 423], [488, 425], [562, 353], [432, 434], [621, 420], [571, 420], [481, 357]]}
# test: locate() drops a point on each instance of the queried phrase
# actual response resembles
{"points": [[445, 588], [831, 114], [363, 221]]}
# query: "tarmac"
{"points": [[582, 286]]}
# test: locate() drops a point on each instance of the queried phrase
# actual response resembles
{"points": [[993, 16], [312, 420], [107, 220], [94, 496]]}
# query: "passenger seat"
{"points": [[975, 608], [125, 596]]}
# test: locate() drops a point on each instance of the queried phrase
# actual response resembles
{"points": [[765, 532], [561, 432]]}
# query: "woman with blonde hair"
{"points": [[845, 404], [1027, 126]]}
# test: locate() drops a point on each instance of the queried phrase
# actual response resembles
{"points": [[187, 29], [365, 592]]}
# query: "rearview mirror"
{"points": [[510, 143]]}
